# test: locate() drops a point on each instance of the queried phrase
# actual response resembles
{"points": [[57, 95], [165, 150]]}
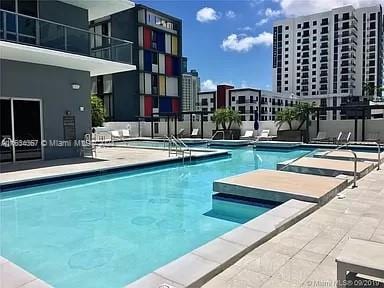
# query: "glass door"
{"points": [[27, 130], [6, 151], [20, 130]]}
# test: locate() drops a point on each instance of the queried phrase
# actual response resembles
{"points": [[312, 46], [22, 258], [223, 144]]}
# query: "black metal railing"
{"points": [[42, 33]]}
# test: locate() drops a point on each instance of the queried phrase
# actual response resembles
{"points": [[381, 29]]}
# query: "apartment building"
{"points": [[329, 55], [156, 86], [47, 58], [191, 86], [246, 101]]}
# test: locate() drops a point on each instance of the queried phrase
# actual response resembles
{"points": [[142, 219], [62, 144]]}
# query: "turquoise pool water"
{"points": [[106, 231]]}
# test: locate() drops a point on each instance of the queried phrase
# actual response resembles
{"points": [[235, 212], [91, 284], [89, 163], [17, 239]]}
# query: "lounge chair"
{"points": [[195, 132], [264, 136], [247, 135], [343, 138], [321, 137], [360, 256], [181, 133], [115, 135], [125, 133]]}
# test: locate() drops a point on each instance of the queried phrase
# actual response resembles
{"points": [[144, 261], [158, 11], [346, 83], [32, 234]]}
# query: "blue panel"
{"points": [[165, 104], [147, 61], [160, 41], [176, 66]]}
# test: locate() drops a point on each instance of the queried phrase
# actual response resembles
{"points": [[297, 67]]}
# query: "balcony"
{"points": [[46, 42]]}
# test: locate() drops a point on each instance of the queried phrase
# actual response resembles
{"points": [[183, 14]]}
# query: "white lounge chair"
{"points": [[195, 132], [125, 133], [247, 135], [264, 136], [321, 137], [115, 135], [360, 256]]}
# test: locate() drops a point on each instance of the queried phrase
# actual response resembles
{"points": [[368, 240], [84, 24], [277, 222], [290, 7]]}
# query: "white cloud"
{"points": [[269, 14], [272, 13], [262, 22], [300, 7], [245, 28], [208, 85], [230, 14], [243, 43], [207, 14]]}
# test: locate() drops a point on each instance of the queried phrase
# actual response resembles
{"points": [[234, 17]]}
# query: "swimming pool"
{"points": [[107, 231]]}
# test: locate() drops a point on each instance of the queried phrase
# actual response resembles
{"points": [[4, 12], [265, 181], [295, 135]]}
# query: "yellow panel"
{"points": [[162, 84], [174, 45]]}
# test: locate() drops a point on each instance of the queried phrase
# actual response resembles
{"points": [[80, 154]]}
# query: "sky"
{"points": [[230, 41]]}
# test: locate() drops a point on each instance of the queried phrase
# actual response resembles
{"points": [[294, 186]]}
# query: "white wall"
{"points": [[331, 127]]}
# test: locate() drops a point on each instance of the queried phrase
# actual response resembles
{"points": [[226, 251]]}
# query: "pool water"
{"points": [[109, 230]]}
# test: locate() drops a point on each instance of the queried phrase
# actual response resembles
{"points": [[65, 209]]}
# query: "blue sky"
{"points": [[230, 41]]}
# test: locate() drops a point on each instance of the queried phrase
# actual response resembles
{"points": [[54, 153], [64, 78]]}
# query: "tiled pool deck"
{"points": [[304, 255]]}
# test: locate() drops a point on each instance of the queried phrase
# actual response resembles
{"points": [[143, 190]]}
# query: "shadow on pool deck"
{"points": [[20, 166]]}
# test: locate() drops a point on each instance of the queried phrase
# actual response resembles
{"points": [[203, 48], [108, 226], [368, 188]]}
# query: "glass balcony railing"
{"points": [[47, 34]]}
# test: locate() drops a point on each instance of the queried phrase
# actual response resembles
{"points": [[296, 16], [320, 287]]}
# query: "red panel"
{"points": [[175, 105], [221, 95], [147, 38], [168, 65], [147, 105]]}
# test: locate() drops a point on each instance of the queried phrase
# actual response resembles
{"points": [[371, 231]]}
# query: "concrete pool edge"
{"points": [[6, 186], [200, 265], [13, 275]]}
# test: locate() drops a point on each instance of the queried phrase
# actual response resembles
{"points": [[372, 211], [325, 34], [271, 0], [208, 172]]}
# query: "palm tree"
{"points": [[226, 117], [287, 115], [369, 89], [303, 110]]}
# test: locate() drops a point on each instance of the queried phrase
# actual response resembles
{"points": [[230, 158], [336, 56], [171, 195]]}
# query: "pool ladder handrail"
{"points": [[181, 147], [328, 151]]}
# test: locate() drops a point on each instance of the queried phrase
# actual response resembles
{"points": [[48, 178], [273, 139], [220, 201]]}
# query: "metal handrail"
{"points": [[64, 25], [354, 163], [96, 52], [182, 147], [294, 160]]}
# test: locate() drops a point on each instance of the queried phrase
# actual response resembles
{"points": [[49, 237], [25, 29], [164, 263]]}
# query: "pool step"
{"points": [[281, 186], [344, 155], [326, 167]]}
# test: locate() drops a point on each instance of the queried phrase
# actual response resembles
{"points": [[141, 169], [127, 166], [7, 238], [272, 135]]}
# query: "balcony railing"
{"points": [[42, 33], [246, 101]]}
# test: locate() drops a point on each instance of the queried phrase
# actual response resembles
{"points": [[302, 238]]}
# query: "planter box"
{"points": [[291, 135], [232, 134]]}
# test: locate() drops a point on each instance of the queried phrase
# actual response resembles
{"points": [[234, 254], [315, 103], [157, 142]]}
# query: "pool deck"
{"points": [[281, 186], [304, 255], [107, 158], [12, 276]]}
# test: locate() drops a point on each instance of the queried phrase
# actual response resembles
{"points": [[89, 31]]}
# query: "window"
{"points": [[286, 27], [345, 16], [372, 16], [27, 7], [155, 59], [298, 26], [9, 5], [324, 21], [314, 23]]}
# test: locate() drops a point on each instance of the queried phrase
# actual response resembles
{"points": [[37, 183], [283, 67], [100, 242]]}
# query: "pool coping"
{"points": [[38, 180], [203, 263]]}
